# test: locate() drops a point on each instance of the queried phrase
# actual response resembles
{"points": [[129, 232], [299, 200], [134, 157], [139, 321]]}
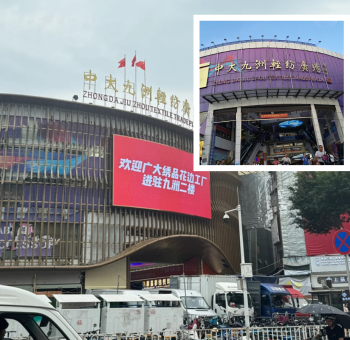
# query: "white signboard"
{"points": [[323, 264]]}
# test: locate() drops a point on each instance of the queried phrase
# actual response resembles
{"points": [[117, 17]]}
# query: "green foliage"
{"points": [[322, 199]]}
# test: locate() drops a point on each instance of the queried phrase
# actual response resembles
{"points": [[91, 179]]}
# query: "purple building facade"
{"points": [[270, 74]]}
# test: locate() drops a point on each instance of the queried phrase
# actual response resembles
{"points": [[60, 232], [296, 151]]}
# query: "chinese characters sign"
{"points": [[274, 115], [156, 176]]}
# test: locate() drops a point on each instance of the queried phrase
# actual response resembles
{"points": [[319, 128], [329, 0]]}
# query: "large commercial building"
{"points": [[262, 99], [86, 190]]}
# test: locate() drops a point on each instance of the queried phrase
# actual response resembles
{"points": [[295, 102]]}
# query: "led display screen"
{"points": [[158, 177], [290, 123]]}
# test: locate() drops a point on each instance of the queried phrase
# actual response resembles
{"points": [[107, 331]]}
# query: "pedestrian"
{"points": [[345, 308], [222, 162], [305, 159], [333, 330], [275, 162], [319, 155], [286, 160], [217, 162], [201, 148], [3, 325]]}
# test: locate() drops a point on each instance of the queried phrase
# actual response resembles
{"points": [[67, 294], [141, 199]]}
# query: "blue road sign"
{"points": [[341, 241]]}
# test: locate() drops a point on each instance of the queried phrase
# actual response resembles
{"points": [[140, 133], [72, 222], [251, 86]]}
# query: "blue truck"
{"points": [[270, 298]]}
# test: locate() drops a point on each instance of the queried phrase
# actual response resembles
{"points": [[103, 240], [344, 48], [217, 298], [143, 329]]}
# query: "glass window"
{"points": [[265, 301], [31, 326], [281, 301], [196, 302]]}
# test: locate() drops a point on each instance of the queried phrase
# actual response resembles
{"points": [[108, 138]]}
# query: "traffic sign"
{"points": [[341, 242]]}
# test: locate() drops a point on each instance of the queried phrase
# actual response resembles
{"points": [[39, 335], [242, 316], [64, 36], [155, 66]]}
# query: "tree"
{"points": [[322, 200]]}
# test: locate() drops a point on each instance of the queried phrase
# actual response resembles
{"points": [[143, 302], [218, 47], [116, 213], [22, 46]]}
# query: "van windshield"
{"points": [[194, 302]]}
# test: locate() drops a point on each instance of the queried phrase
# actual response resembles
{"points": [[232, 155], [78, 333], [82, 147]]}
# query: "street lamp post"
{"points": [[246, 270]]}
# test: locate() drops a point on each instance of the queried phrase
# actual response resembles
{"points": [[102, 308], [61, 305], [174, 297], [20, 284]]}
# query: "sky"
{"points": [[330, 33], [46, 46]]}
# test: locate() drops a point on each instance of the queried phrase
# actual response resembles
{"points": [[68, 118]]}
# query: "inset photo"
{"points": [[271, 90]]}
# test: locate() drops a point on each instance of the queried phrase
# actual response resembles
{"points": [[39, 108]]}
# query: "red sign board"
{"points": [[155, 176], [274, 116]]}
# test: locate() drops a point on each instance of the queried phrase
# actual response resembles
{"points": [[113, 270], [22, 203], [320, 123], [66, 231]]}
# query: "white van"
{"points": [[33, 316]]}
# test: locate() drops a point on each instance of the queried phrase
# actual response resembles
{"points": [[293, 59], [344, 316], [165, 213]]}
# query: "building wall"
{"points": [[56, 180], [274, 75]]}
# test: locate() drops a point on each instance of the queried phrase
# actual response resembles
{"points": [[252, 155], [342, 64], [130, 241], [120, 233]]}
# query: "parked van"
{"points": [[32, 315]]}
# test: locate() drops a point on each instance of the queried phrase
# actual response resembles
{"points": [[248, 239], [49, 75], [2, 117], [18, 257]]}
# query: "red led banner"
{"points": [[158, 177], [274, 116]]}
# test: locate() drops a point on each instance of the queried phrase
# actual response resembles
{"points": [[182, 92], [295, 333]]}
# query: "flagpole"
{"points": [[124, 80], [135, 90], [145, 85]]}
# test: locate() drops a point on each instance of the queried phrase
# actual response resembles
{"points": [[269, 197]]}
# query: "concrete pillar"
{"points": [[231, 153], [238, 136], [339, 122], [316, 126], [265, 154], [109, 276], [208, 134]]}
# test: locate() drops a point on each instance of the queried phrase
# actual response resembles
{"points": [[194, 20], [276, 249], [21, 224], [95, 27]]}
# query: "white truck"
{"points": [[193, 303], [32, 315], [82, 311], [222, 292]]}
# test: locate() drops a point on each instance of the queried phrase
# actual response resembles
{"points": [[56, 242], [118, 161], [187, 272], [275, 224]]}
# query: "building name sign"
{"points": [[137, 105], [335, 279], [286, 150], [237, 80], [330, 261]]}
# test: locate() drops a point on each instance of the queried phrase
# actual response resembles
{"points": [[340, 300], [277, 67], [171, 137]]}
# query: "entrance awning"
{"points": [[294, 292], [266, 93]]}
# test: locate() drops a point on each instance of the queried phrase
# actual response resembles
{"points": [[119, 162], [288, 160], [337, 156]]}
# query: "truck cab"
{"points": [[32, 316], [275, 299], [228, 299], [192, 302]]}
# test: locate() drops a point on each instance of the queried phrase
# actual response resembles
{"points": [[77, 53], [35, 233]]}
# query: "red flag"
{"points": [[141, 64], [121, 63], [133, 61]]}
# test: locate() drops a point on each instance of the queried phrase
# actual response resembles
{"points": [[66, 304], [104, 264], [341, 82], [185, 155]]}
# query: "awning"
{"points": [[294, 292], [273, 92]]}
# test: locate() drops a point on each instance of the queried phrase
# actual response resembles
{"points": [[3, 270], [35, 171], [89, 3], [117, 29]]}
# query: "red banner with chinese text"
{"points": [[158, 177]]}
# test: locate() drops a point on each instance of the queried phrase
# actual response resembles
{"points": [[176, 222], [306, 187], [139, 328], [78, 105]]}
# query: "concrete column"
{"points": [[207, 134], [232, 140], [238, 136], [265, 154], [339, 122], [317, 130]]}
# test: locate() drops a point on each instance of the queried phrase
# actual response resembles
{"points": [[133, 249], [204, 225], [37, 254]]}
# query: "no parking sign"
{"points": [[341, 242]]}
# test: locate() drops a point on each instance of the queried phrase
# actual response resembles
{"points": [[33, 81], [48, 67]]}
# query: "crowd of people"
{"points": [[321, 158]]}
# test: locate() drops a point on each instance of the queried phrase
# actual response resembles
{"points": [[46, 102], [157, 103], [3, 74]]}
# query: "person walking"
{"points": [[333, 330], [305, 159], [319, 155], [217, 162], [275, 162], [222, 162], [286, 160]]}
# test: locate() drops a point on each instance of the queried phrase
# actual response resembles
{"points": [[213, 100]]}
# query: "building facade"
{"points": [[267, 98], [58, 219]]}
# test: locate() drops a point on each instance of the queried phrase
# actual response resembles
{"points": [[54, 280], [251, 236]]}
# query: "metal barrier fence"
{"points": [[255, 333]]}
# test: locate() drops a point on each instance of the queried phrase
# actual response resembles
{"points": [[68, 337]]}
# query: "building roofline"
{"points": [[90, 108], [268, 44]]}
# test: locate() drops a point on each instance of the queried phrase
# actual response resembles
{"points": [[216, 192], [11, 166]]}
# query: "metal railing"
{"points": [[255, 40], [302, 332]]}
